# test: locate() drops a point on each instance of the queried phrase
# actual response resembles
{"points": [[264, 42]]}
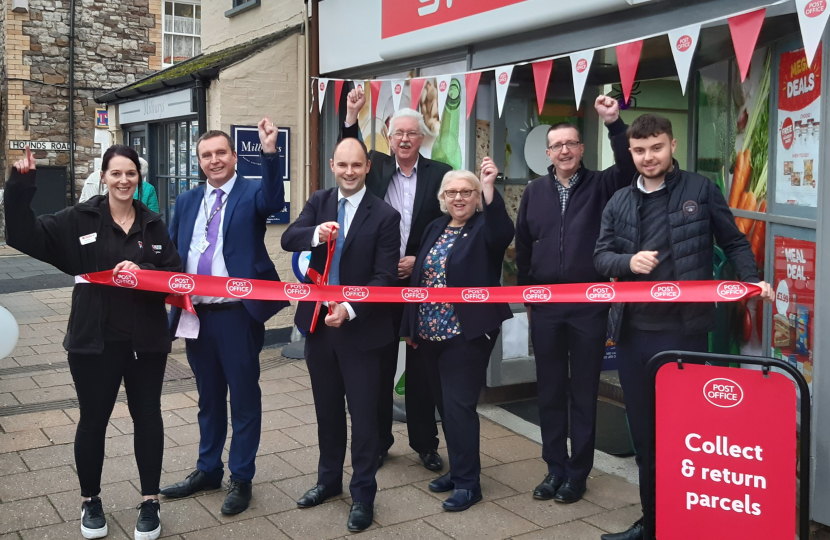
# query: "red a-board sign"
{"points": [[725, 454]]}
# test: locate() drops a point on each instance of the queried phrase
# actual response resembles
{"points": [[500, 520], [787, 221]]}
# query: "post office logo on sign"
{"points": [[665, 292], [414, 295], [398, 89], [581, 65], [815, 8], [239, 287], [723, 393], [600, 293], [181, 284]]}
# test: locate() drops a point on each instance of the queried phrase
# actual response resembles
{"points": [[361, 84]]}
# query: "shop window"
{"points": [[182, 30], [178, 165]]}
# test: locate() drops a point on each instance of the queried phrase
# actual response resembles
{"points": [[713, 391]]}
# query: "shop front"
{"points": [[752, 121]]}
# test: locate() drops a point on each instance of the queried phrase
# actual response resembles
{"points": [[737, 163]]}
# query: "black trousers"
{"points": [[634, 350], [420, 407], [97, 380], [456, 370], [569, 344], [337, 372]]}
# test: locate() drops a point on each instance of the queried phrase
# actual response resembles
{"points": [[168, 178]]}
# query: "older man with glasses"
{"points": [[568, 339], [409, 182]]}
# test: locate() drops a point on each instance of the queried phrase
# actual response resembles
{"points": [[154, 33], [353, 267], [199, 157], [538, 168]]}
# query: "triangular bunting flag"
{"points": [[397, 93], [375, 95], [415, 87], [322, 85], [745, 29], [541, 76], [359, 84], [580, 66], [338, 89], [503, 75], [683, 43], [812, 17], [443, 84], [628, 58], [471, 86]]}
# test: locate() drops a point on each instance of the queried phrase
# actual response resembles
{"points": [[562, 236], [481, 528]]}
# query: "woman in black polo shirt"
{"points": [[113, 333]]}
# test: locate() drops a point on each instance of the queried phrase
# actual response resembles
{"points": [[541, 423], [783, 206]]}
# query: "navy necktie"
{"points": [[334, 270]]}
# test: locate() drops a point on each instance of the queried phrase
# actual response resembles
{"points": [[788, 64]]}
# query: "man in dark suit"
{"points": [[219, 230], [409, 182], [345, 351]]}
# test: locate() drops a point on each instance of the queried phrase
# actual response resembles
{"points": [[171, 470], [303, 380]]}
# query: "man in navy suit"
{"points": [[346, 349], [219, 230]]}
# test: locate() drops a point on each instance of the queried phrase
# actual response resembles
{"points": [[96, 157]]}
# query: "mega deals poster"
{"points": [[799, 112]]}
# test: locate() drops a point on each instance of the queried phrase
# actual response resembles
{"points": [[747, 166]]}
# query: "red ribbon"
{"points": [[253, 289]]}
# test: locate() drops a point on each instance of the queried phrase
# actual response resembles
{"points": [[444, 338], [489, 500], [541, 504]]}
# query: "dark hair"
{"points": [[358, 141], [564, 125], [123, 151], [215, 133], [649, 125]]}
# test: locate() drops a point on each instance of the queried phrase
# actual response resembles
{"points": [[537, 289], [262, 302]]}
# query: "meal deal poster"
{"points": [[725, 442], [793, 309], [799, 112]]}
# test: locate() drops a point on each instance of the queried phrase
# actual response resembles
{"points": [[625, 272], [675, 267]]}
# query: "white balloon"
{"points": [[9, 332]]}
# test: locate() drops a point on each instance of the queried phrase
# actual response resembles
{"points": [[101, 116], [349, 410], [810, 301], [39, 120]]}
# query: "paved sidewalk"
{"points": [[39, 497]]}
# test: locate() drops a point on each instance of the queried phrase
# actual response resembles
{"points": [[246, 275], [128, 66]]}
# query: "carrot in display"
{"points": [[743, 170], [749, 202], [759, 237]]}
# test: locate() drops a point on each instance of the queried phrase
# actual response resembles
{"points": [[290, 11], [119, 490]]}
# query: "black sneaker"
{"points": [[148, 526], [93, 522]]}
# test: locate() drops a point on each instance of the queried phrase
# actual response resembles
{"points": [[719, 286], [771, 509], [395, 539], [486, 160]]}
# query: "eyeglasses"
{"points": [[465, 193], [558, 146], [409, 134]]}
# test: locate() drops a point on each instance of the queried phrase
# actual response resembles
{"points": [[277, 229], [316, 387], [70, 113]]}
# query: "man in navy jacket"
{"points": [[349, 342], [556, 230], [220, 231]]}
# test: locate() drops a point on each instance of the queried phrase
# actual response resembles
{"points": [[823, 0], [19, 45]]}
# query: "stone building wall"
{"points": [[116, 44]]}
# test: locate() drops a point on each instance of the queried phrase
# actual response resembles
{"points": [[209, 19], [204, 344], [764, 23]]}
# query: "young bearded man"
{"points": [[661, 228]]}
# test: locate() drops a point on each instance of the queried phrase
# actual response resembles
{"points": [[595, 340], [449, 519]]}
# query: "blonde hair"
{"points": [[473, 180]]}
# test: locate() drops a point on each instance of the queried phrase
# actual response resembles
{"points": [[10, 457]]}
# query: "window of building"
{"points": [[241, 6], [178, 166], [182, 31]]}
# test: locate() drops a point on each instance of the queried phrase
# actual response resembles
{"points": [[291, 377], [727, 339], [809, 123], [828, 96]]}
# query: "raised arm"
{"points": [[622, 172], [271, 197]]}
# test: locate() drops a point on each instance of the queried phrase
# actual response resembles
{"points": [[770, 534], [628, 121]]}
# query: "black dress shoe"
{"points": [[442, 484], [461, 499], [360, 516], [431, 460], [195, 481], [547, 489], [238, 497], [570, 492], [634, 533], [317, 495]]}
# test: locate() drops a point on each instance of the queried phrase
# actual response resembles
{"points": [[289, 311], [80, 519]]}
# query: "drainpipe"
{"points": [[72, 102], [314, 124], [201, 105]]}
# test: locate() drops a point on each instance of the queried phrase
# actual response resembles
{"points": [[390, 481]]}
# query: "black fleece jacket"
{"points": [[56, 239]]}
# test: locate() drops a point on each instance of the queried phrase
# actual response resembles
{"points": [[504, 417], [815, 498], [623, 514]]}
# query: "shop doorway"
{"points": [[137, 140]]}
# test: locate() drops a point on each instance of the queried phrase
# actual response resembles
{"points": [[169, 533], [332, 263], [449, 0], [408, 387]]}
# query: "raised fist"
{"points": [[607, 108], [267, 136], [354, 103]]}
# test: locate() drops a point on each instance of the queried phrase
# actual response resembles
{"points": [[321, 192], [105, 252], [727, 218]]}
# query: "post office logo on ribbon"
{"points": [[665, 292], [732, 290], [181, 284], [239, 287], [537, 294], [355, 293], [126, 279], [723, 393], [414, 295], [296, 291], [600, 293], [475, 295]]}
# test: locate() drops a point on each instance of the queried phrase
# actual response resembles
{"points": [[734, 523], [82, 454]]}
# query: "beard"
{"points": [[659, 173]]}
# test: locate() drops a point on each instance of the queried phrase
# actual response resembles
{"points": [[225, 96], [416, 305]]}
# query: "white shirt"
{"points": [[641, 185], [401, 196], [352, 202], [217, 267]]}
